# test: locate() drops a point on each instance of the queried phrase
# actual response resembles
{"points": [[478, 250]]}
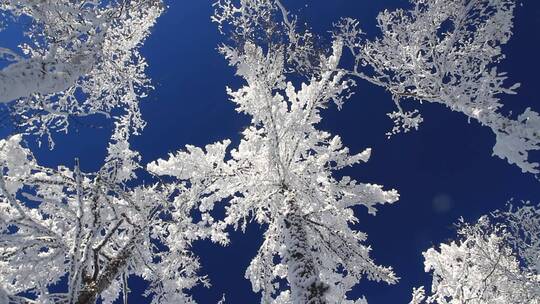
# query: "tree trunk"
{"points": [[93, 288], [303, 275]]}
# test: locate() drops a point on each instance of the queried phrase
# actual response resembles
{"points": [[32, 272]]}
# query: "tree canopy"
{"points": [[69, 236]]}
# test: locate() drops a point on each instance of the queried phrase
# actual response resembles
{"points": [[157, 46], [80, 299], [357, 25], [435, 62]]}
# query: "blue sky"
{"points": [[443, 171]]}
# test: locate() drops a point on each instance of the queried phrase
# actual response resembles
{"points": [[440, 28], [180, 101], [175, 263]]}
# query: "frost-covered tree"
{"points": [[495, 261], [447, 52], [281, 176], [82, 235], [77, 58]]}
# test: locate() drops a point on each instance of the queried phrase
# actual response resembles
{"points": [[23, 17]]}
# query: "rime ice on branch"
{"points": [[81, 58], [495, 261], [446, 52], [89, 232]]}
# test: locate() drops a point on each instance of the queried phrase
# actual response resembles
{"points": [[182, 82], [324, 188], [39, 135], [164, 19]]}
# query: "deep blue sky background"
{"points": [[443, 171]]}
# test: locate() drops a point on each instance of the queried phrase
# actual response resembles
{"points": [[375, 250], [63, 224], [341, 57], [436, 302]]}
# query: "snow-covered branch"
{"points": [[447, 52], [493, 261], [82, 59], [93, 230]]}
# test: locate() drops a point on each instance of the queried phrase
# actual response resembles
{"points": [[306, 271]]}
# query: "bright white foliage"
{"points": [[92, 230], [446, 52], [81, 58], [282, 170], [494, 262]]}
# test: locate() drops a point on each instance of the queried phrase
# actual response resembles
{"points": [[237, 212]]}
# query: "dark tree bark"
{"points": [[94, 287], [303, 275]]}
